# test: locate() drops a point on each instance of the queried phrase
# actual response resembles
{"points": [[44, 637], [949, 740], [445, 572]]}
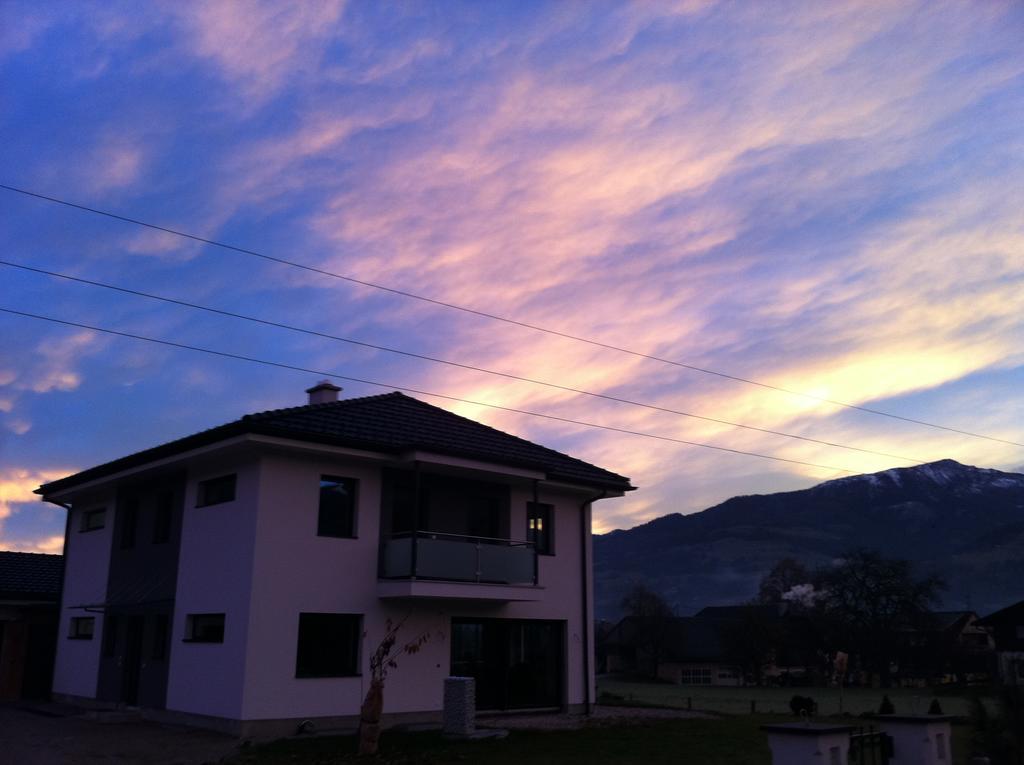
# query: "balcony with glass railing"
{"points": [[450, 536], [458, 558], [432, 564]]}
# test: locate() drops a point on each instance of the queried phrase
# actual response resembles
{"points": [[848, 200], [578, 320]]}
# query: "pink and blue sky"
{"points": [[828, 197]]}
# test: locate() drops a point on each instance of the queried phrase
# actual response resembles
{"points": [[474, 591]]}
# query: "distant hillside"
{"points": [[965, 523]]}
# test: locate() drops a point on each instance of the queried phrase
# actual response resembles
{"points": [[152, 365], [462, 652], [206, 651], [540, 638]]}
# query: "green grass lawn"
{"points": [[734, 740], [726, 741], [776, 700]]}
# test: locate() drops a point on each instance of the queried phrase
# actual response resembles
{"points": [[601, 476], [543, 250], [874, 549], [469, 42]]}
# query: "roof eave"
{"points": [[249, 425], [140, 459]]}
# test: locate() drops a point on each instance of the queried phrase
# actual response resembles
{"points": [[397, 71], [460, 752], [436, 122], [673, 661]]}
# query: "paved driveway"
{"points": [[49, 734]]}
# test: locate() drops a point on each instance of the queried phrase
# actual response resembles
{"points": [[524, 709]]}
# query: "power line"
{"points": [[407, 389], [447, 362], [495, 317]]}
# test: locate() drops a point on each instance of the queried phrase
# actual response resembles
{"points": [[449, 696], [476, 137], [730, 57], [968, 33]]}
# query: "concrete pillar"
{"points": [[918, 739], [808, 743], [459, 706]]}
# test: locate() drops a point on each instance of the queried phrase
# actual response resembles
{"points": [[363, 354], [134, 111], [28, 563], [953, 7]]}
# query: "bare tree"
{"points": [[867, 601], [784, 576], [651, 619], [753, 638], [381, 663]]}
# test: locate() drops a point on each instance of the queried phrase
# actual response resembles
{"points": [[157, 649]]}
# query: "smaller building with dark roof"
{"points": [[30, 586]]}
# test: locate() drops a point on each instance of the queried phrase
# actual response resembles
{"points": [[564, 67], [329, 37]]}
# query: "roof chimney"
{"points": [[324, 392]]}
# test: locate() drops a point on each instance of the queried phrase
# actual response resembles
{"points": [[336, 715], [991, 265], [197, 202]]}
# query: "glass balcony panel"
{"points": [[508, 564], [448, 557], [398, 557], [452, 559]]}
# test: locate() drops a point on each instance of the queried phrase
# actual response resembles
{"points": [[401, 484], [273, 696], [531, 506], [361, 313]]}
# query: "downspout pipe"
{"points": [[588, 706]]}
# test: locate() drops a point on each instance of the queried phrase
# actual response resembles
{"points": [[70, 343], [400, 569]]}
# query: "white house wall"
{"points": [[87, 561], [214, 576], [296, 571]]}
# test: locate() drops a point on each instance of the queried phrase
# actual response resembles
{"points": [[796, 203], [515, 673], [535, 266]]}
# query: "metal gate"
{"points": [[869, 747]]}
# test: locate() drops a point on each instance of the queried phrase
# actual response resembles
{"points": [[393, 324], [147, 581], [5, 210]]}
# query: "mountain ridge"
{"points": [[964, 522]]}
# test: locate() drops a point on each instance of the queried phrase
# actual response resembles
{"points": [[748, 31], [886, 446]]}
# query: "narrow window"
{"points": [[538, 527], [129, 511], [216, 490], [337, 516], [110, 636], [160, 631], [328, 645], [162, 520], [93, 520], [82, 627], [204, 628]]}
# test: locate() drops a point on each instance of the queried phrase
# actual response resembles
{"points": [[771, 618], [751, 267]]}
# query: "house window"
{"points": [[162, 520], [695, 676], [216, 490], [82, 627], [93, 520], [204, 628], [160, 631], [328, 645], [129, 511], [337, 507], [538, 527]]}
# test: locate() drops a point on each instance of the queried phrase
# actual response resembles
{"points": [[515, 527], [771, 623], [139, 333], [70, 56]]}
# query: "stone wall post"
{"points": [[459, 706], [808, 743], [918, 739]]}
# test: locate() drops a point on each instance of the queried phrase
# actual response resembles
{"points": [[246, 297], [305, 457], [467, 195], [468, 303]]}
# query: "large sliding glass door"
{"points": [[517, 663]]}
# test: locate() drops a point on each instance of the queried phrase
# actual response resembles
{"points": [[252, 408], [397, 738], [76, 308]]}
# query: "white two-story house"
{"points": [[240, 578]]}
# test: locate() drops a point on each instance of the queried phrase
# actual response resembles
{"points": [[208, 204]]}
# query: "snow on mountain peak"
{"points": [[945, 472]]}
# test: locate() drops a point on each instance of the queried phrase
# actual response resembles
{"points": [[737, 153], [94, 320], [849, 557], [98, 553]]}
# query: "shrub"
{"points": [[935, 708], [801, 705], [886, 708]]}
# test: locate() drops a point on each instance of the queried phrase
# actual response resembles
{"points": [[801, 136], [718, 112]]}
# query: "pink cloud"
{"points": [[260, 44], [51, 545]]}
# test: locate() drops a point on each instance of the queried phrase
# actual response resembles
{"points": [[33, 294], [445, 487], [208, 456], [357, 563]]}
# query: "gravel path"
{"points": [[55, 735]]}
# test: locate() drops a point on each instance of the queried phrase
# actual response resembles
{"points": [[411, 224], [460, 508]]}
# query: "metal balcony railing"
{"points": [[457, 558]]}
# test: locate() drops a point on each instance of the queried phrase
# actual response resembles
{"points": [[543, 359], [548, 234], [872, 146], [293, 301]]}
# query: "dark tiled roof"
{"points": [[945, 620], [686, 638], [1012, 614], [391, 423], [763, 611], [30, 576]]}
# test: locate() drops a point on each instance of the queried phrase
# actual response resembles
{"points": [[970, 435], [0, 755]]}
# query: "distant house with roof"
{"points": [[29, 595], [720, 645], [947, 647], [240, 578], [1007, 629]]}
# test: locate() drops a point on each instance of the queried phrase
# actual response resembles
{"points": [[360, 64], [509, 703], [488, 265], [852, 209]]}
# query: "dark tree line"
{"points": [[864, 605]]}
